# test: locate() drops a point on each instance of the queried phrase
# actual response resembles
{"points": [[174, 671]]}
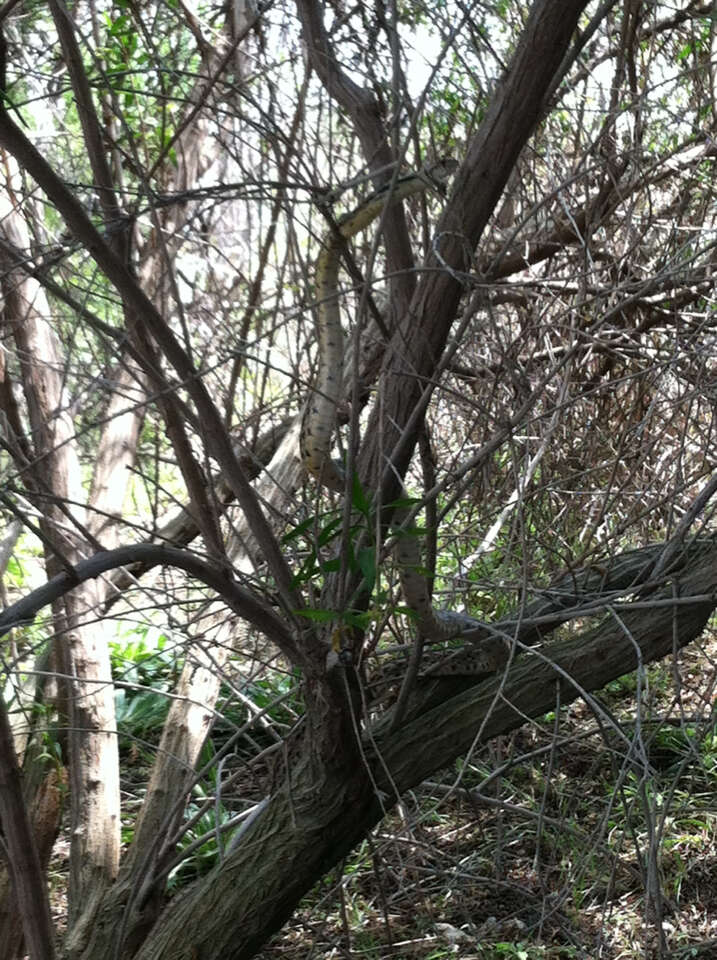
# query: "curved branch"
{"points": [[366, 116], [240, 600], [629, 637], [31, 160]]}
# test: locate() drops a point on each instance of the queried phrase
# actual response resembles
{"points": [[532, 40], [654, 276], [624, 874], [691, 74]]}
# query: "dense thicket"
{"points": [[223, 687]]}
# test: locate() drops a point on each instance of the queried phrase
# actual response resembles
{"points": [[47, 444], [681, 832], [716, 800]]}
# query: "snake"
{"points": [[319, 419]]}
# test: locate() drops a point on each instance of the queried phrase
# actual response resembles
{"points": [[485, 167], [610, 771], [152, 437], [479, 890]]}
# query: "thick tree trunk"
{"points": [[42, 795], [26, 890], [311, 825]]}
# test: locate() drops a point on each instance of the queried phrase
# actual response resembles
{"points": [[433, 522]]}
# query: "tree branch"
{"points": [[365, 114], [315, 829], [414, 353], [219, 443], [579, 663], [241, 601]]}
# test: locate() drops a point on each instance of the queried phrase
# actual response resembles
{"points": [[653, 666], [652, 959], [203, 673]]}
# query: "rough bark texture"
{"points": [[307, 828], [28, 881], [626, 639], [87, 695], [44, 790]]}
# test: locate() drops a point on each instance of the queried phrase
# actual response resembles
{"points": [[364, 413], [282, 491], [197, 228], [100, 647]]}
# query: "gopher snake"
{"points": [[320, 415]]}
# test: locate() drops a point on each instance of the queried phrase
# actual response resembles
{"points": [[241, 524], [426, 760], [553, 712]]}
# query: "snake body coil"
{"points": [[320, 416]]}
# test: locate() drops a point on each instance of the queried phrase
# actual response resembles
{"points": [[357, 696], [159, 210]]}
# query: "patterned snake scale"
{"points": [[320, 418]]}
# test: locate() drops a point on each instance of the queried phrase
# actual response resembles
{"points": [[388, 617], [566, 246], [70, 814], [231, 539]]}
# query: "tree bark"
{"points": [[22, 860], [310, 824], [416, 348], [87, 698]]}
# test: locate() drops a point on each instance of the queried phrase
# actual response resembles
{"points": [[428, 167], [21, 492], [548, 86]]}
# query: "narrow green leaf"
{"points": [[297, 530], [320, 616], [308, 570], [367, 566], [404, 502], [329, 531], [407, 612], [362, 621], [411, 532], [359, 500]]}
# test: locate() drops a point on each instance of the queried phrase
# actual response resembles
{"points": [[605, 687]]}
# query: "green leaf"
{"points": [[119, 25], [319, 616], [367, 565], [403, 502], [16, 570], [411, 532], [297, 530], [309, 569], [359, 500], [407, 612], [329, 531], [362, 621]]}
